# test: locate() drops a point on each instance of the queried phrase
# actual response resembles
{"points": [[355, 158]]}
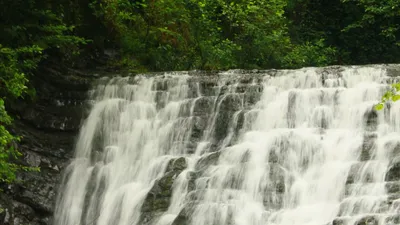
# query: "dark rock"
{"points": [[277, 176], [181, 220], [252, 95], [274, 202], [339, 221], [206, 161], [230, 102], [17, 213], [246, 80], [371, 120], [241, 88], [392, 187], [178, 164], [241, 120], [208, 87], [48, 126], [393, 219], [203, 106], [273, 156], [158, 199], [183, 217], [392, 70], [393, 173], [224, 116], [192, 176], [160, 85], [198, 128], [392, 198], [160, 99], [369, 220], [356, 172], [38, 190], [148, 218]]}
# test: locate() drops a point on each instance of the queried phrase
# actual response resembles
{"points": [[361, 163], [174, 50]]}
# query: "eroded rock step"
{"points": [[158, 199], [387, 219], [363, 172], [390, 187]]}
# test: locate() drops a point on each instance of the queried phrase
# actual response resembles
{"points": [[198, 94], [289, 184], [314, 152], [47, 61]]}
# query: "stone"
{"points": [[198, 128], [393, 219], [252, 95], [207, 160], [183, 217], [48, 127], [230, 102], [192, 176], [393, 187], [369, 220], [338, 221], [371, 120], [208, 87], [393, 173], [158, 199], [354, 174], [178, 164], [228, 106], [203, 106]]}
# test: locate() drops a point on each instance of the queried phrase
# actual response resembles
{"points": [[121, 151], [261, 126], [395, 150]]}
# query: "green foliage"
{"points": [[391, 95], [220, 55], [33, 30], [362, 32], [193, 34], [13, 83], [8, 150], [309, 54]]}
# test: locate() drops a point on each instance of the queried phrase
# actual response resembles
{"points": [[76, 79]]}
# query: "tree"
{"points": [[13, 85], [32, 30]]}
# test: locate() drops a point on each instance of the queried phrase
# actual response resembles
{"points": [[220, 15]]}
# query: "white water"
{"points": [[289, 164]]}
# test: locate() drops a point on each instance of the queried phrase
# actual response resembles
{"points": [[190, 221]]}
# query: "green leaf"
{"points": [[396, 86], [379, 106], [395, 98]]}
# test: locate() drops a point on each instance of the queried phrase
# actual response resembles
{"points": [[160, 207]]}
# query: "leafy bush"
{"points": [[13, 82], [309, 54], [32, 31]]}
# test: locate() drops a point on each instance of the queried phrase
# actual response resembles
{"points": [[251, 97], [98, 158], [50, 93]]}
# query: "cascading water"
{"points": [[301, 147]]}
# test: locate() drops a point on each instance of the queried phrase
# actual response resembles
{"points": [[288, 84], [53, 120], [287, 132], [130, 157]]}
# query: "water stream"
{"points": [[291, 147]]}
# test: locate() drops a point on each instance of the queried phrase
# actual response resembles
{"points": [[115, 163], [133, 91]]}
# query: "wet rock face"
{"points": [[393, 174], [220, 110], [48, 127], [158, 199]]}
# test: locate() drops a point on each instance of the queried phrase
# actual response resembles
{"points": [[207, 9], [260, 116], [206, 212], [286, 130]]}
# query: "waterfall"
{"points": [[301, 147]]}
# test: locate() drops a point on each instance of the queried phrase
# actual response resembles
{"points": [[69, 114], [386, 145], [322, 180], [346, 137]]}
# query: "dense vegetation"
{"points": [[161, 35]]}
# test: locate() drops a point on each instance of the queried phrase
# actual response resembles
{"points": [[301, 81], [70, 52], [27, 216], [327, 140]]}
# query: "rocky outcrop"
{"points": [[47, 125], [158, 199]]}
